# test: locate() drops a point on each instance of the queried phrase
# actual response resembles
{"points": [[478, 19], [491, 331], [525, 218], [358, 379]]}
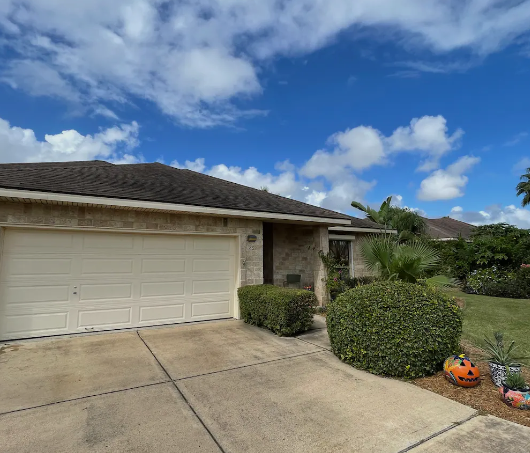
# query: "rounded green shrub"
{"points": [[394, 328]]}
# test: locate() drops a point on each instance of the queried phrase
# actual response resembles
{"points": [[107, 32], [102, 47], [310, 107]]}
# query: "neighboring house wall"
{"points": [[251, 253], [296, 250]]}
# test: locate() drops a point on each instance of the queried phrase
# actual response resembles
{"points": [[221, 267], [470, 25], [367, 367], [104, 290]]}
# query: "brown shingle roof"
{"points": [[150, 182], [364, 223], [448, 228]]}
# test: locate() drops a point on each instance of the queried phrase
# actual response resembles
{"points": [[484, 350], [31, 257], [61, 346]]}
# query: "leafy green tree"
{"points": [[393, 260], [501, 245], [408, 223], [523, 188]]}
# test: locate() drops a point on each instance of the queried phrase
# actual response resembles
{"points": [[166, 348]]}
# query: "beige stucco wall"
{"points": [[296, 252], [251, 253]]}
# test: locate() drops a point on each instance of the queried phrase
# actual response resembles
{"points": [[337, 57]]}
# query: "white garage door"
{"points": [[57, 282]]}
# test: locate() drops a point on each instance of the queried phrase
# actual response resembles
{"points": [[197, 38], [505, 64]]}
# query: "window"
{"points": [[341, 250]]}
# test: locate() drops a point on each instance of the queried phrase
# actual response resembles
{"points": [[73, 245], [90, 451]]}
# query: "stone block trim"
{"points": [[251, 253]]}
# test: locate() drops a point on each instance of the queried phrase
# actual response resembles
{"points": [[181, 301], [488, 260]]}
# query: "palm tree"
{"points": [[380, 216], [393, 260], [523, 188]]}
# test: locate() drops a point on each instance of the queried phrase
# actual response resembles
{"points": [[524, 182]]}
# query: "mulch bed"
{"points": [[485, 397]]}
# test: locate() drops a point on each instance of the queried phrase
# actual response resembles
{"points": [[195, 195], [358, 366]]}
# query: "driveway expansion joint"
{"points": [[182, 395], [167, 381], [294, 356], [438, 433], [313, 344]]}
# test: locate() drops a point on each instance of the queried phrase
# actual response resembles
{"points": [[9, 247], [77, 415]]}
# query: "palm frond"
{"points": [[358, 206], [385, 255], [377, 253]]}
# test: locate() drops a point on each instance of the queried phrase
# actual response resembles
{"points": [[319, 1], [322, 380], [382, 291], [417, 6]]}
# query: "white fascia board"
{"points": [[342, 237], [158, 206], [360, 230]]}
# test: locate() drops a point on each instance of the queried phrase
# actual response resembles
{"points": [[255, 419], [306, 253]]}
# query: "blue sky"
{"points": [[323, 102]]}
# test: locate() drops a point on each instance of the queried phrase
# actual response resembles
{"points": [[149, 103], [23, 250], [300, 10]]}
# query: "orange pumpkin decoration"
{"points": [[460, 370]]}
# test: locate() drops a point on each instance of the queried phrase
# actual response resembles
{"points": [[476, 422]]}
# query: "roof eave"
{"points": [[119, 203], [360, 230]]}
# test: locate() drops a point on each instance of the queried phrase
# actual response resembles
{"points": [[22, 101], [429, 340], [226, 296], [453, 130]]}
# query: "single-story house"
{"points": [[88, 246], [448, 229]]}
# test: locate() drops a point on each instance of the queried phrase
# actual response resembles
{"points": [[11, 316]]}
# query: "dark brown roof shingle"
{"points": [[448, 228], [150, 182]]}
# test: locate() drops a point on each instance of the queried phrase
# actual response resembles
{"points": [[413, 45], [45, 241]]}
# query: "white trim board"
{"points": [[360, 230], [53, 198], [341, 237]]}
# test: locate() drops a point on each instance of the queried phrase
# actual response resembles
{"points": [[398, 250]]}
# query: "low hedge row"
{"points": [[285, 311], [394, 328], [499, 283]]}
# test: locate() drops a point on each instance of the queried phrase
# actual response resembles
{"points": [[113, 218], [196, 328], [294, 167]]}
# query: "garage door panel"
{"points": [[35, 324], [162, 289], [210, 286], [105, 266], [88, 281], [33, 241], [208, 265], [211, 244], [115, 317], [98, 241], [107, 291], [162, 313], [36, 294], [38, 266], [164, 244], [163, 266], [211, 308]]}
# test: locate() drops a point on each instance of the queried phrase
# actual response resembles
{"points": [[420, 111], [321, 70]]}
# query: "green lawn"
{"points": [[484, 315]]}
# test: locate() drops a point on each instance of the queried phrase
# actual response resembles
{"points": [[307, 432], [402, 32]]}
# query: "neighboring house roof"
{"points": [[360, 225], [444, 228], [364, 223], [448, 228], [153, 182]]}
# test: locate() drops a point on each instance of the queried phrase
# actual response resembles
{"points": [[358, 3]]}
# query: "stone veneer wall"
{"points": [[295, 251], [359, 267], [251, 253]]}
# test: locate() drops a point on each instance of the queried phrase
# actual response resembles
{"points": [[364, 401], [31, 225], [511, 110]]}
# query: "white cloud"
{"points": [[494, 214], [354, 149], [316, 198], [337, 195], [521, 165], [194, 165], [363, 147], [194, 59], [516, 139], [21, 145], [449, 183], [284, 183], [286, 165], [427, 135]]}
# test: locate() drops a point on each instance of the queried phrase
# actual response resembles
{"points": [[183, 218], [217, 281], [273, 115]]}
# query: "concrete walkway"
{"points": [[222, 387]]}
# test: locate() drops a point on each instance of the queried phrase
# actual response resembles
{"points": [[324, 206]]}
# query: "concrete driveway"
{"points": [[222, 387]]}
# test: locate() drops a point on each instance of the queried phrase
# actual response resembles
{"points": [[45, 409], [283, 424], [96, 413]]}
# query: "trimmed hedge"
{"points": [[285, 311], [499, 283], [394, 328]]}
